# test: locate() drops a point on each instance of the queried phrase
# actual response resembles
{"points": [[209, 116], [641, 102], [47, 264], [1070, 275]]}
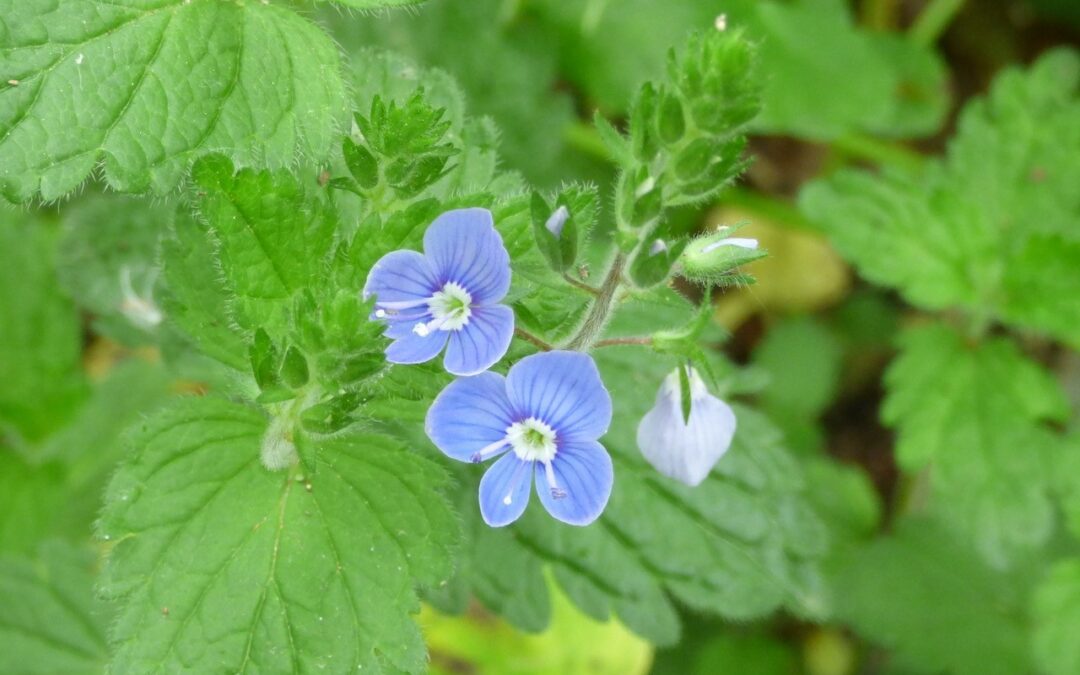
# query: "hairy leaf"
{"points": [[975, 414], [144, 86], [991, 228], [221, 564]]}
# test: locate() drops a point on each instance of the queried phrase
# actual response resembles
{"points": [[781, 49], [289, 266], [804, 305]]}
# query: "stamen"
{"points": [[489, 451], [403, 304], [425, 329], [556, 491]]}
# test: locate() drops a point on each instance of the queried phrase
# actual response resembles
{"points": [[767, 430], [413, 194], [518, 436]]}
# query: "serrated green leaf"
{"points": [[929, 598], [976, 415], [40, 332], [992, 227], [50, 621], [145, 86], [218, 563], [274, 239], [1056, 612]]}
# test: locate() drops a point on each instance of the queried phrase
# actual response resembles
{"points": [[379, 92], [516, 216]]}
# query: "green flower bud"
{"points": [[713, 256]]}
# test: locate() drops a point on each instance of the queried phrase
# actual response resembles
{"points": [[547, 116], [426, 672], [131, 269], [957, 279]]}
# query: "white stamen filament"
{"points": [[489, 450], [556, 491]]}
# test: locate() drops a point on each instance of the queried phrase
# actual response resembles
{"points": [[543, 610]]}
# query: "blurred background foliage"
{"points": [[917, 582]]}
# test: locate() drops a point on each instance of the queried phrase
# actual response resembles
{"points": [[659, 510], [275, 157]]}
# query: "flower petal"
{"points": [[481, 342], [686, 452], [504, 490], [463, 246], [584, 475], [563, 389], [411, 348], [468, 415], [401, 276]]}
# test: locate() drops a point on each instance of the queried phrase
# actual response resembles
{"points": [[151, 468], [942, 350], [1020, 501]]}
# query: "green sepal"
{"points": [[684, 392], [617, 145], [670, 119], [642, 138], [294, 368], [559, 251], [362, 164], [332, 415], [265, 360], [648, 269]]}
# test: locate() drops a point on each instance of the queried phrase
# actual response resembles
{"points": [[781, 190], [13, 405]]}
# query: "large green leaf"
{"points": [[992, 228], [144, 86], [935, 603], [50, 621], [976, 414], [219, 564]]}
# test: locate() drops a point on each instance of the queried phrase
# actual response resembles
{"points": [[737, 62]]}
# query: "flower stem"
{"points": [[529, 337], [611, 342], [591, 290], [933, 20], [601, 308]]}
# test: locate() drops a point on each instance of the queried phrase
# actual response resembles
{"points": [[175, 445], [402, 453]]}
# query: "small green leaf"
{"points": [[265, 360], [294, 368]]}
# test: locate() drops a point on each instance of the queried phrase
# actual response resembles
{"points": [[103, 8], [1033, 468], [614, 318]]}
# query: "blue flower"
{"points": [[544, 418], [686, 450], [450, 293]]}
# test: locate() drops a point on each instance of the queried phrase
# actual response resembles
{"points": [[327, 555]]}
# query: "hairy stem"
{"points": [[591, 290], [529, 337], [601, 307], [611, 342]]}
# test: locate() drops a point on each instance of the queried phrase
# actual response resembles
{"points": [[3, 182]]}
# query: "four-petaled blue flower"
{"points": [[686, 450], [544, 418], [448, 293]]}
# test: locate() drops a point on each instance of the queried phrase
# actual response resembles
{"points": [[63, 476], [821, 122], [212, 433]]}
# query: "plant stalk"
{"points": [[598, 314]]}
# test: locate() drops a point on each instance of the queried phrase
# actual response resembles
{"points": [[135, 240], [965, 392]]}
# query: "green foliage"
{"points": [[145, 86], [40, 340], [50, 621], [923, 594], [898, 88], [976, 415], [1056, 612], [989, 229], [302, 571]]}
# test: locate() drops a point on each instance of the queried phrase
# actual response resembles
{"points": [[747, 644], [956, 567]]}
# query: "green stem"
{"points": [[598, 314], [879, 14], [885, 153], [584, 137], [933, 20]]}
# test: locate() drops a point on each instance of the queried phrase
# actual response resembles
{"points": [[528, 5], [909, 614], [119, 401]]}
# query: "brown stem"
{"points": [[529, 337]]}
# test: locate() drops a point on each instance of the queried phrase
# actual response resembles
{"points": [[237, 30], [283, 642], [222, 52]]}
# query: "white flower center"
{"points": [[532, 440], [450, 310]]}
